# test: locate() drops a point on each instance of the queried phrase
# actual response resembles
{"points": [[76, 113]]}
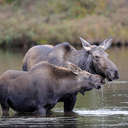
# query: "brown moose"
{"points": [[91, 58], [38, 90]]}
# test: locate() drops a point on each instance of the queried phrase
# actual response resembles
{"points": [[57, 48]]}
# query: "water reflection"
{"points": [[40, 122]]}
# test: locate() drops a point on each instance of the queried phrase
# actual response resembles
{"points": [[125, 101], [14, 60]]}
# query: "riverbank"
{"points": [[26, 23], [23, 47]]}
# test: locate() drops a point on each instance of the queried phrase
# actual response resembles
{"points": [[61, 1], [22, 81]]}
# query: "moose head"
{"points": [[98, 60]]}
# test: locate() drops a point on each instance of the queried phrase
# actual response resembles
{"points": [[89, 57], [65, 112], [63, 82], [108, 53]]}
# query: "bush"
{"points": [[54, 21]]}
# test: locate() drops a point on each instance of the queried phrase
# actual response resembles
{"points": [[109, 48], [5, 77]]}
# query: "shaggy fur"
{"points": [[90, 58]]}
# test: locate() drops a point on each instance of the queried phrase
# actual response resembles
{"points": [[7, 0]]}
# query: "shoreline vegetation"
{"points": [[24, 23]]}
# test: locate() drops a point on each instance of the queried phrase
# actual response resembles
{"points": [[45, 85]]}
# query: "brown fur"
{"points": [[53, 71], [35, 56], [41, 88], [91, 58], [56, 55]]}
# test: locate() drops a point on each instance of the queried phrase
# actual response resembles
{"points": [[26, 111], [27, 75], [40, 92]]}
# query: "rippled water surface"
{"points": [[105, 108]]}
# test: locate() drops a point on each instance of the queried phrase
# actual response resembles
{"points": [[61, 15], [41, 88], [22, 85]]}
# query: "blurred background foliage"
{"points": [[24, 22]]}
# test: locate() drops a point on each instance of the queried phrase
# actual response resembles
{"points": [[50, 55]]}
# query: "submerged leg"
{"points": [[5, 110], [69, 103], [41, 111]]}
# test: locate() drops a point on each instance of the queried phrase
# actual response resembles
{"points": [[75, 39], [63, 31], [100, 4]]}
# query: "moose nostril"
{"points": [[116, 74]]}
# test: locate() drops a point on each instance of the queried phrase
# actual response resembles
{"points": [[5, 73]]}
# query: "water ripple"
{"points": [[118, 82], [101, 112]]}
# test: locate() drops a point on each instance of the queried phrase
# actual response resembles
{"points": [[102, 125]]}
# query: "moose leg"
{"points": [[5, 110], [69, 103], [41, 111]]}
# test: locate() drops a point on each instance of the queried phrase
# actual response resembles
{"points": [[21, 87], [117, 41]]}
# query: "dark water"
{"points": [[105, 108]]}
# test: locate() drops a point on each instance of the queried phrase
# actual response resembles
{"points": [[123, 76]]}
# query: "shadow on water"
{"points": [[106, 108]]}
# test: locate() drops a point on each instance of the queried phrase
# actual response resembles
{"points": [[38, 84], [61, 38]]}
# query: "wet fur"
{"points": [[64, 52], [37, 90]]}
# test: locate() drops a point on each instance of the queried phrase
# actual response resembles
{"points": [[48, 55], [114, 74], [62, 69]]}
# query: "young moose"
{"points": [[39, 89]]}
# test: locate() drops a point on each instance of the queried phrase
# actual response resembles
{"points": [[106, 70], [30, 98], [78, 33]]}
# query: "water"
{"points": [[105, 108]]}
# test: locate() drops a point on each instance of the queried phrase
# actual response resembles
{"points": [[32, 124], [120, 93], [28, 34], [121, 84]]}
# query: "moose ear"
{"points": [[75, 69], [86, 45], [106, 44]]}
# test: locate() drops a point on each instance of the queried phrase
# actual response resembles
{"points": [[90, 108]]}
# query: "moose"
{"points": [[38, 90], [91, 58]]}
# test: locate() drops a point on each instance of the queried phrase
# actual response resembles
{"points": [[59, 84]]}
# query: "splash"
{"points": [[101, 112]]}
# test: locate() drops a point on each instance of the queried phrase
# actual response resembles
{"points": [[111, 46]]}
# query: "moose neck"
{"points": [[66, 89], [83, 60]]}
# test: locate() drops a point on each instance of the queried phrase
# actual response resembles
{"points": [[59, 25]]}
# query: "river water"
{"points": [[104, 108]]}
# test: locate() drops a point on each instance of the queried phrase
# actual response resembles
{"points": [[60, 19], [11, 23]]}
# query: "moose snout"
{"points": [[100, 79], [116, 74], [97, 81], [103, 80], [112, 75]]}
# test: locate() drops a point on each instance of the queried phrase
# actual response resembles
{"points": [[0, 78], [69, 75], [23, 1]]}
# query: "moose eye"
{"points": [[96, 57]]}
